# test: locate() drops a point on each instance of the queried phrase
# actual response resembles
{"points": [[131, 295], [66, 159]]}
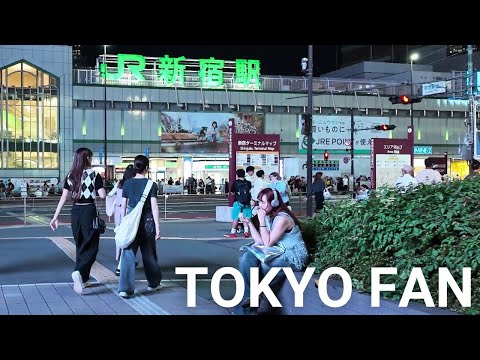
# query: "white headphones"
{"points": [[275, 202]]}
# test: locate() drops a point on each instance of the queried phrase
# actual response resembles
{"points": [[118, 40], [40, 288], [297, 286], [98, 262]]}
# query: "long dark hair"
{"points": [[81, 161], [128, 174], [281, 205]]}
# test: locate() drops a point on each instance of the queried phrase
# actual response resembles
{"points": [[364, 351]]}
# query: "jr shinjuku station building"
{"points": [[176, 111]]}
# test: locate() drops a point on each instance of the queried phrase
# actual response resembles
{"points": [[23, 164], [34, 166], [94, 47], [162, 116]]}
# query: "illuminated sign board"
{"points": [[422, 150], [167, 71]]}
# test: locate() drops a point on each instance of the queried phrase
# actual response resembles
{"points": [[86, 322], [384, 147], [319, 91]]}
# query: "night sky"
{"points": [[274, 59]]}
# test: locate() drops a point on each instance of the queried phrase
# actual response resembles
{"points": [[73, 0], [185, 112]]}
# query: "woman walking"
{"points": [[117, 203], [83, 184], [148, 232]]}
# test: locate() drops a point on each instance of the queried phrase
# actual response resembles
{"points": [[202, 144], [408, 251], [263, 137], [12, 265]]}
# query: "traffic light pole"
{"points": [[411, 111], [309, 113], [473, 111], [105, 111], [352, 127]]}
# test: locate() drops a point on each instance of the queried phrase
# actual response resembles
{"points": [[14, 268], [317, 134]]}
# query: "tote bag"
{"points": [[326, 194], [127, 230]]}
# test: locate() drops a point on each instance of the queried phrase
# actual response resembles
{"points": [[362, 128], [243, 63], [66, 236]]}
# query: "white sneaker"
{"points": [[124, 294], [77, 282], [158, 287]]}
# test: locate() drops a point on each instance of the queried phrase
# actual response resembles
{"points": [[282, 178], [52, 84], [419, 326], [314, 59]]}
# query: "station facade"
{"points": [[178, 117]]}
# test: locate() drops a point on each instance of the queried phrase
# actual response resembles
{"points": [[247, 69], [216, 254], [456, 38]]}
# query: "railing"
{"points": [[275, 83]]}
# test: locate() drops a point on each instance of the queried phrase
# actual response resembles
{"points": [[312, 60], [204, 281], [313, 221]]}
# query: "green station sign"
{"points": [[216, 167], [174, 71]]}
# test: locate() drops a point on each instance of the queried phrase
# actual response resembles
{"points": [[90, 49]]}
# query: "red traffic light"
{"points": [[404, 99], [326, 155], [385, 127]]}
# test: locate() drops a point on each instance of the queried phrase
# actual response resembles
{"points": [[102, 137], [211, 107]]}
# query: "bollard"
{"points": [[165, 216]]}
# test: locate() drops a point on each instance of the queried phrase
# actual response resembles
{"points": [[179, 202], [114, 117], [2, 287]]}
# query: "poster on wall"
{"points": [[199, 132], [388, 156], [332, 132]]}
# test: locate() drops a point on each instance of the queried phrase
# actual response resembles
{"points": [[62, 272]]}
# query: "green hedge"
{"points": [[428, 227]]}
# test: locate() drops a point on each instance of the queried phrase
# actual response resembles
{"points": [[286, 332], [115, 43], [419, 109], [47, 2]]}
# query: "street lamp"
{"points": [[413, 57], [309, 113], [105, 107]]}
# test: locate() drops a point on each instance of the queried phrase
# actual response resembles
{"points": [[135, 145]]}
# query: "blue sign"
{"points": [[147, 151], [422, 150]]}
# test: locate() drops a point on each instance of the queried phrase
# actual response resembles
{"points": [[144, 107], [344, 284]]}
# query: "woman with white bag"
{"points": [[116, 198], [318, 188], [147, 234]]}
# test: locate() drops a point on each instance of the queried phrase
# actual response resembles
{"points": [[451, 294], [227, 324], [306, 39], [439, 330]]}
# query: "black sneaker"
{"points": [[117, 272]]}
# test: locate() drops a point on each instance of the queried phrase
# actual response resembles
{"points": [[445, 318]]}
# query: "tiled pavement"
{"points": [[100, 299]]}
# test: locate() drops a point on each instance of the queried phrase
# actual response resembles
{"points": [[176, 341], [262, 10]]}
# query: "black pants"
{"points": [[319, 200], [86, 238]]}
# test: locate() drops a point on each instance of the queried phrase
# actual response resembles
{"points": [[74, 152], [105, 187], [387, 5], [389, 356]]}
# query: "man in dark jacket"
{"points": [[318, 187]]}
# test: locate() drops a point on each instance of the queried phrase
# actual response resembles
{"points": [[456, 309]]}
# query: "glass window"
{"points": [[28, 118]]}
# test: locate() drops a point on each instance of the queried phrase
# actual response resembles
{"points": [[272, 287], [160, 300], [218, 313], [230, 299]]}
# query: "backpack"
{"points": [[242, 195]]}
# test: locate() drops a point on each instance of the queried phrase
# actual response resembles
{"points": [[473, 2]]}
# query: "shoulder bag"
{"points": [[126, 232]]}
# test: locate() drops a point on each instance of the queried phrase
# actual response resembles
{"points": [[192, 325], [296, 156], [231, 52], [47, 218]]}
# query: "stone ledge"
{"points": [[359, 303]]}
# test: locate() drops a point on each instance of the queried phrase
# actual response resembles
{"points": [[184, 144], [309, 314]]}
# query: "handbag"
{"points": [[326, 194], [110, 201], [99, 224], [126, 232], [264, 253]]}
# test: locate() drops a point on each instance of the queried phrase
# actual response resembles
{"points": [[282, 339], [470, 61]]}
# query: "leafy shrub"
{"points": [[428, 227]]}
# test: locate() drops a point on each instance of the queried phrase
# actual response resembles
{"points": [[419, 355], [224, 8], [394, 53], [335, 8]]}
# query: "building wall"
{"points": [[56, 60]]}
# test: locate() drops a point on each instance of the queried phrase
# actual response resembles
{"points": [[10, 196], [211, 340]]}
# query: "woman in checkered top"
{"points": [[83, 184]]}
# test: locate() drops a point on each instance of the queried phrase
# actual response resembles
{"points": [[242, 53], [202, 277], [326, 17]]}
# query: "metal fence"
{"points": [[276, 83]]}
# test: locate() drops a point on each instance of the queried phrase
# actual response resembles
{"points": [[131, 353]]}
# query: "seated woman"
{"points": [[277, 225]]}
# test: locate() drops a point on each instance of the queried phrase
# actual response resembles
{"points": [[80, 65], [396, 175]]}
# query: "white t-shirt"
{"points": [[429, 177], [250, 178], [258, 185], [405, 181]]}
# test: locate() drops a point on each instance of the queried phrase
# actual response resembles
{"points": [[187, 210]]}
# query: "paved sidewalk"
{"points": [[100, 299], [36, 267]]}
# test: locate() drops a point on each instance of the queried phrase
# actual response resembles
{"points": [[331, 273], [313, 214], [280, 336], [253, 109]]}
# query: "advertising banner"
{"points": [[387, 158], [199, 132], [332, 132]]}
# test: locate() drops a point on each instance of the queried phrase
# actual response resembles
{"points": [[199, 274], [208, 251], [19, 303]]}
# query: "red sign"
{"points": [[259, 150]]}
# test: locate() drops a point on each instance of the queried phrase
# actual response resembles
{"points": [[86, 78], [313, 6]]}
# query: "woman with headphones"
{"points": [[277, 226]]}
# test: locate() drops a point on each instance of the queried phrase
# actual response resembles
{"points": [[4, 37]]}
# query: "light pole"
{"points": [[105, 107], [413, 57], [309, 129]]}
